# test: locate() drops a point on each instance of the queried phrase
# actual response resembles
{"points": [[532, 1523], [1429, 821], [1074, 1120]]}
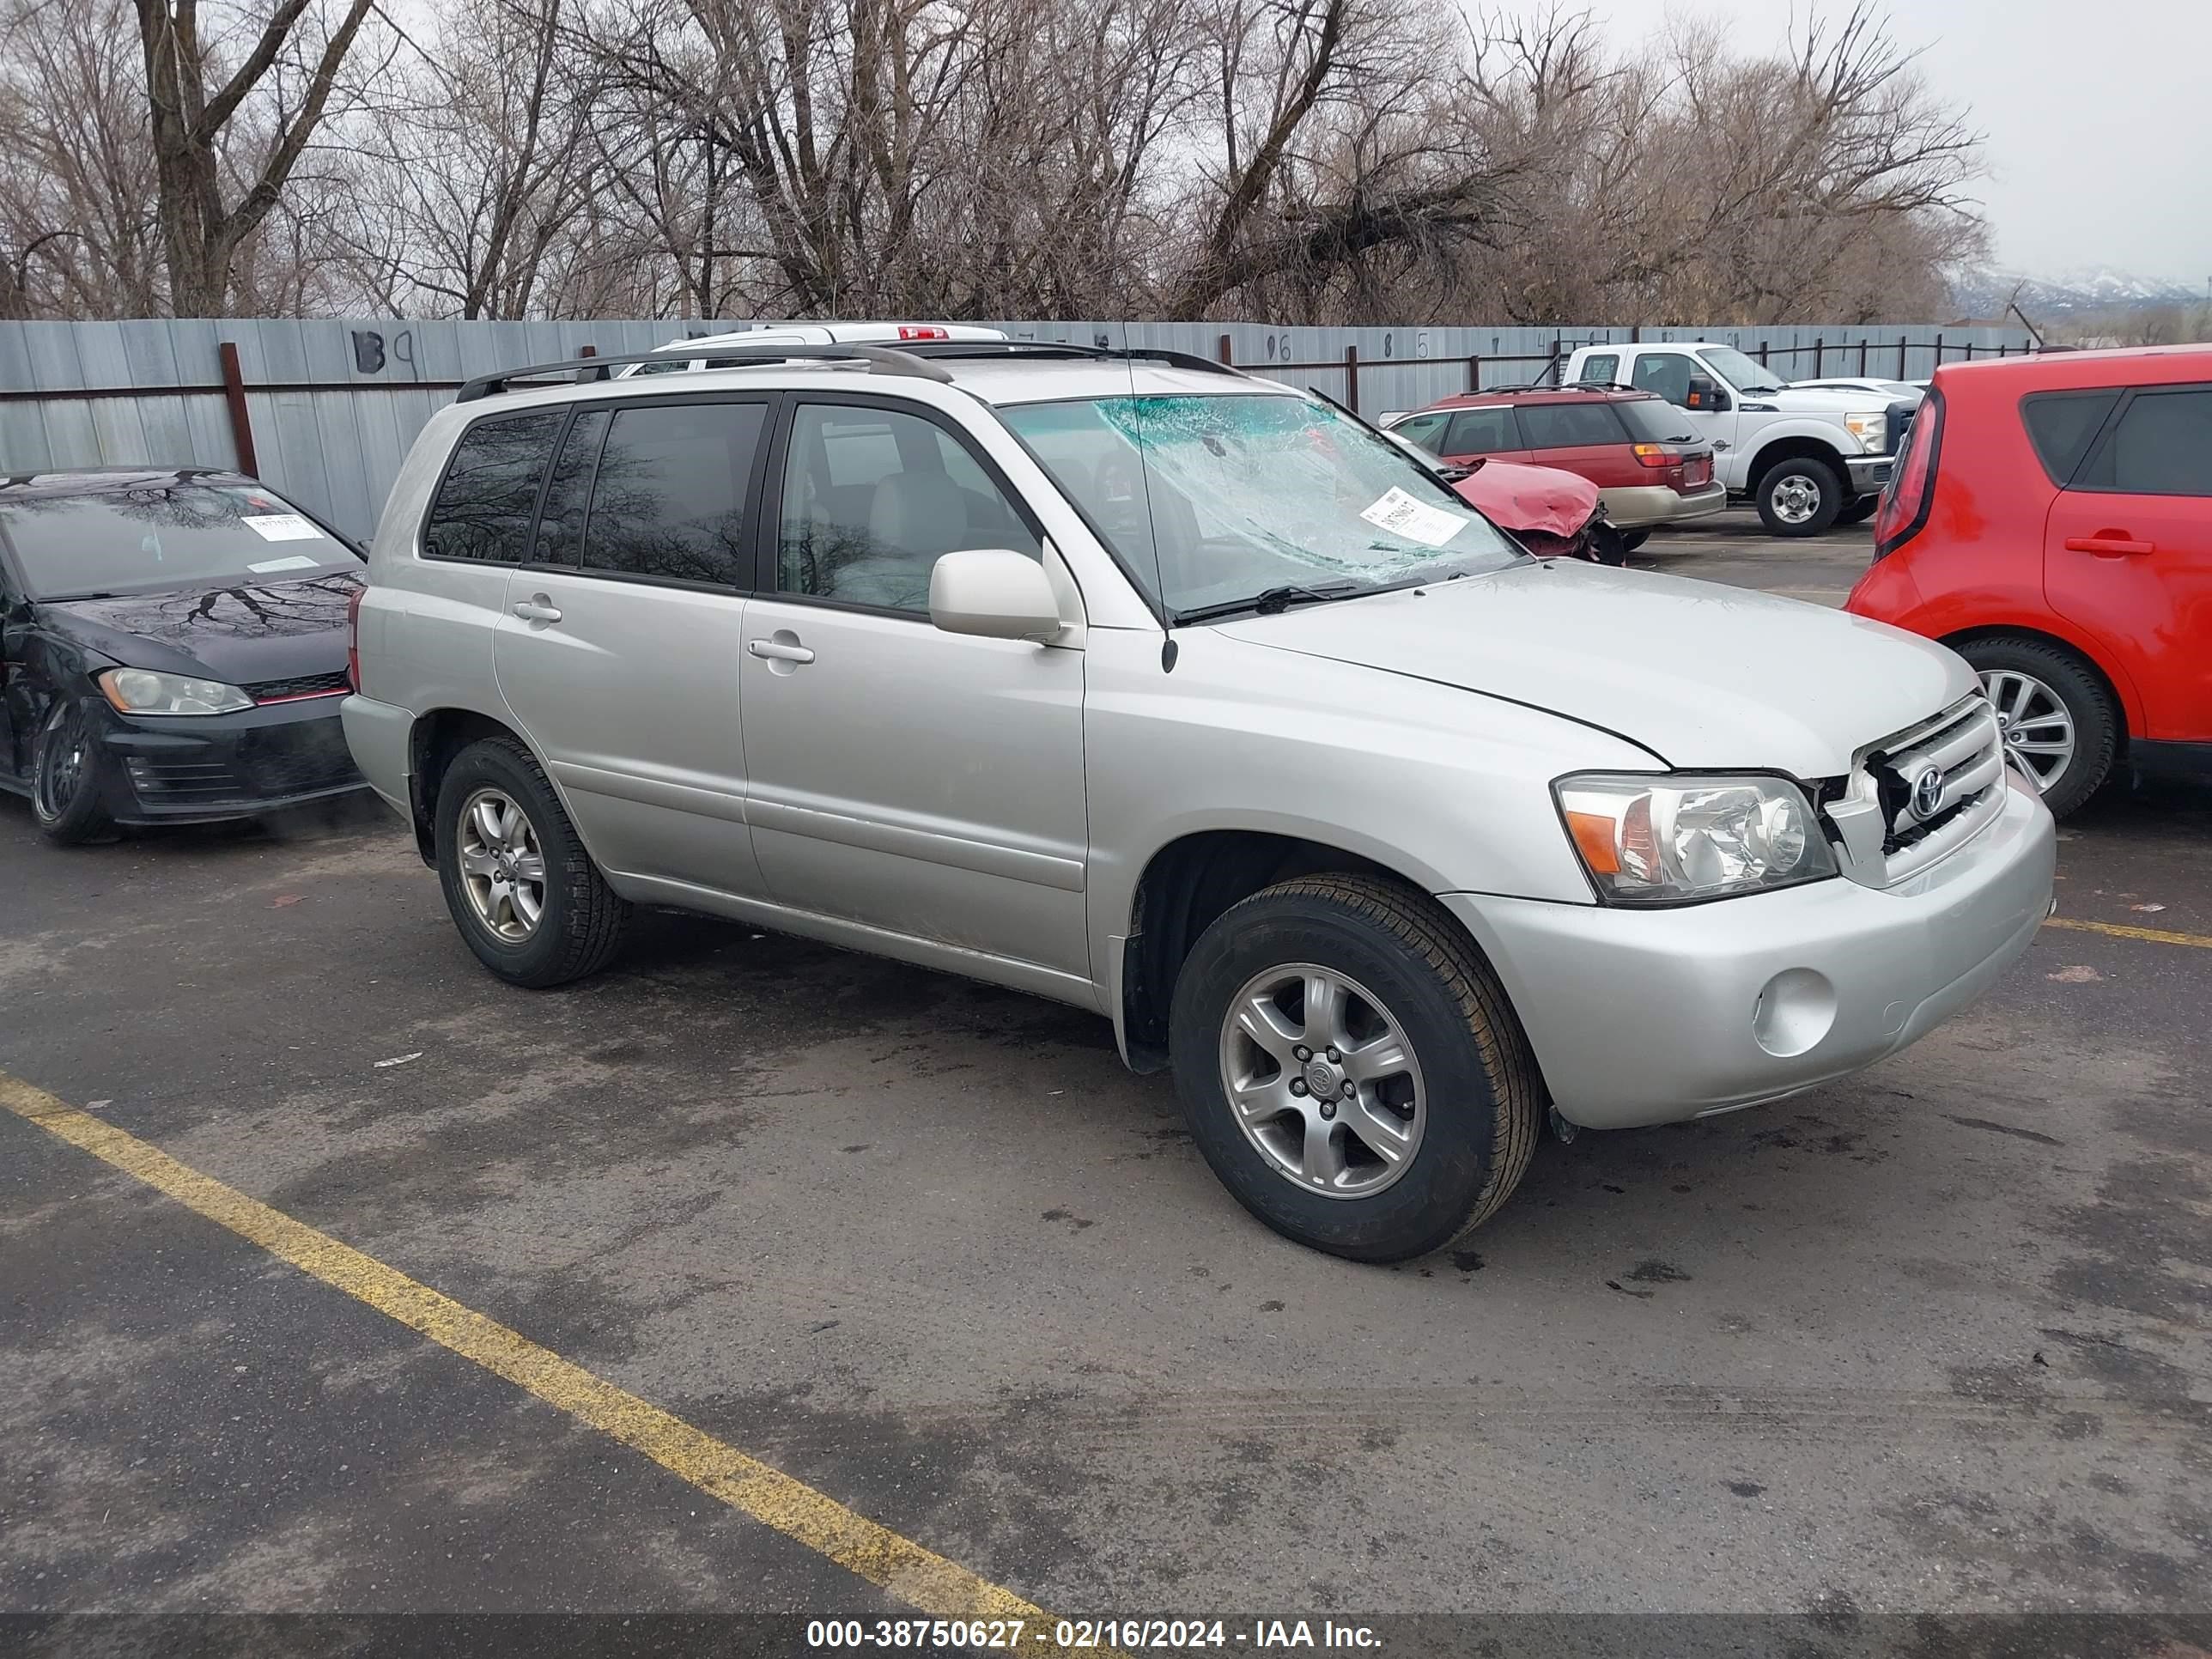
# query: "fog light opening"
{"points": [[1795, 1009]]}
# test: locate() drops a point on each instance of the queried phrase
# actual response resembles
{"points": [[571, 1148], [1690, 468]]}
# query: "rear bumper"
{"points": [[1641, 1017], [379, 734], [212, 769], [1635, 506]]}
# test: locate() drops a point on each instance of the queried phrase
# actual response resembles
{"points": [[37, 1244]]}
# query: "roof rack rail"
{"points": [[985, 350], [878, 360]]}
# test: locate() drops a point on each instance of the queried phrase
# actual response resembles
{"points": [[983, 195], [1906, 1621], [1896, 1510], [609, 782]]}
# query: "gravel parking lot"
{"points": [[1936, 1340]]}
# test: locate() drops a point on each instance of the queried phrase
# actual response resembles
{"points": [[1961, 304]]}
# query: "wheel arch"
{"points": [[1794, 446], [437, 735], [1185, 885], [2121, 694]]}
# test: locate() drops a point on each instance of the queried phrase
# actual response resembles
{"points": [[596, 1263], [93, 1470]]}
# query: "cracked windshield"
{"points": [[1218, 501]]}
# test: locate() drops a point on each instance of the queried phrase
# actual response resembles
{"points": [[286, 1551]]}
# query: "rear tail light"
{"points": [[353, 636], [923, 332], [1912, 490], [1657, 454]]}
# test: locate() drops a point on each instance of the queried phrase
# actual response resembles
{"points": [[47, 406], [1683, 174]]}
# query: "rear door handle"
{"points": [[537, 608], [778, 650], [2108, 545]]}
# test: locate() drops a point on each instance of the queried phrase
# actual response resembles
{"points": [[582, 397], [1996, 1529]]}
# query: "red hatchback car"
{"points": [[2050, 520], [1650, 466]]}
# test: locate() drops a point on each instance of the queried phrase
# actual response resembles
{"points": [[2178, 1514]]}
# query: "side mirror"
{"points": [[1706, 395], [994, 593]]}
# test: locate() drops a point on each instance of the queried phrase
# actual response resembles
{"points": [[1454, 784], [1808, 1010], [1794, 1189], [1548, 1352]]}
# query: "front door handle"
{"points": [[2109, 543], [538, 607], [779, 650]]}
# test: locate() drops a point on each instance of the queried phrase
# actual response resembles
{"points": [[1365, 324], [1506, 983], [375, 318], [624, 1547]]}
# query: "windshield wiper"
{"points": [[1270, 601]]}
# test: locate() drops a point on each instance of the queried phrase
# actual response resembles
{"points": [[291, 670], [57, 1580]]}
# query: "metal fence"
{"points": [[324, 410]]}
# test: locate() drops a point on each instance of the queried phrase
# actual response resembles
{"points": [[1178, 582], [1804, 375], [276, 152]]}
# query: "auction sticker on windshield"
{"points": [[281, 527], [1417, 521]]}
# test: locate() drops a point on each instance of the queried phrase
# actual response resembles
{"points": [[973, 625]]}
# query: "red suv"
{"points": [[2052, 519], [1650, 466]]}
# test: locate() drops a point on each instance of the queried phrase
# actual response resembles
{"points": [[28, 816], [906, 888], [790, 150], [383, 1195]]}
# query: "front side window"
{"points": [[872, 498], [1214, 499], [1484, 432], [668, 500], [160, 535], [1667, 373], [485, 504], [2161, 445], [1569, 426], [1426, 430]]}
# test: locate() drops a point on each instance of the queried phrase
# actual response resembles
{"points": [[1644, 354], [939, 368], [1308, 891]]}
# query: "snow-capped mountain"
{"points": [[1982, 292]]}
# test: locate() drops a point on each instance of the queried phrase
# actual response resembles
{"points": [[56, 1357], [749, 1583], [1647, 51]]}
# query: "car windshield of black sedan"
{"points": [[160, 535]]}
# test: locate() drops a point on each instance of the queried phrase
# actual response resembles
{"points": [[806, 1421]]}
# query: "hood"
{"points": [[239, 635], [1542, 499], [1802, 400], [1706, 677]]}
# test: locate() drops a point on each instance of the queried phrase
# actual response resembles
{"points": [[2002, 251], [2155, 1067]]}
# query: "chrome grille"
{"points": [[1919, 794]]}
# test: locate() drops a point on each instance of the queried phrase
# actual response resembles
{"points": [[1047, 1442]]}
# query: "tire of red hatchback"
{"points": [[1798, 496], [2055, 682], [1409, 1044], [517, 882]]}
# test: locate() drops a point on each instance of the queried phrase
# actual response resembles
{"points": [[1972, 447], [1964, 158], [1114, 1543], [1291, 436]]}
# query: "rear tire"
{"points": [[1798, 497], [2055, 682], [1467, 1105], [1633, 539], [1859, 511], [68, 779], [517, 882]]}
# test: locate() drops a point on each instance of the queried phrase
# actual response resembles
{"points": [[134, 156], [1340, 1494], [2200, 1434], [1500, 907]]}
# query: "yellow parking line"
{"points": [[2155, 935], [919, 1576]]}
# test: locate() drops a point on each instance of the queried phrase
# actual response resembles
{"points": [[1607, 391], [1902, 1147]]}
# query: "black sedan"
{"points": [[173, 649]]}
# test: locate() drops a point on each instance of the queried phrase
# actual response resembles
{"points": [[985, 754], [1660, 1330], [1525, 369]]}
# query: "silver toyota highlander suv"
{"points": [[1128, 680]]}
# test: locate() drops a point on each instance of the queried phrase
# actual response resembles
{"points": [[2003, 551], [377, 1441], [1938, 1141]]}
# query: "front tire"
{"points": [[1799, 497], [517, 882], [1415, 1111], [2061, 726], [68, 779]]}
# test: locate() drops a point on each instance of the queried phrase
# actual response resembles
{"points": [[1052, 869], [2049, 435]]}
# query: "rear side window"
{"points": [[1483, 432], [2061, 425], [484, 508], [1568, 425], [2160, 446], [668, 501], [1602, 369]]}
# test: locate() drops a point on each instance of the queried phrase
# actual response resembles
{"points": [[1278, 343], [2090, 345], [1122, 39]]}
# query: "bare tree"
{"points": [[228, 127]]}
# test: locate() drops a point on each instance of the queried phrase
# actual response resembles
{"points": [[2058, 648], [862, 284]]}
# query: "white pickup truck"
{"points": [[1806, 458]]}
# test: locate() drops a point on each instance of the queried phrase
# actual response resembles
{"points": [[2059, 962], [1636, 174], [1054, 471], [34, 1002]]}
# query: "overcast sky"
{"points": [[2098, 114]]}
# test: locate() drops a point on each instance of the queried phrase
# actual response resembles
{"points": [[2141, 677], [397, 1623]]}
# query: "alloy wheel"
{"points": [[1322, 1080], [61, 765], [502, 866], [2034, 723], [1796, 499]]}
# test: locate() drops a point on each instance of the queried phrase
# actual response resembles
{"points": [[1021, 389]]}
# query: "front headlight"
{"points": [[1870, 428], [142, 691], [1666, 841]]}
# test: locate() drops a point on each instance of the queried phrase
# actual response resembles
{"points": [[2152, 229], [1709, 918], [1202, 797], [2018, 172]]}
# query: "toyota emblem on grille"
{"points": [[1927, 794]]}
